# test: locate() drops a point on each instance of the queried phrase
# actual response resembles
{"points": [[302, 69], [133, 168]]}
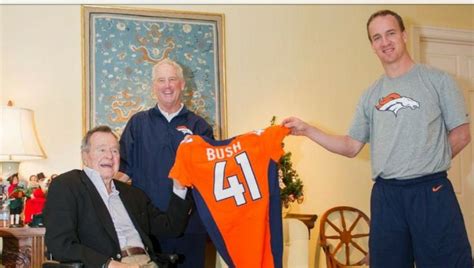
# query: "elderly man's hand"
{"points": [[178, 185]]}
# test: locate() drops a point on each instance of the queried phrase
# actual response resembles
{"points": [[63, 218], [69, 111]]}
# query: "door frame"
{"points": [[438, 34], [450, 36]]}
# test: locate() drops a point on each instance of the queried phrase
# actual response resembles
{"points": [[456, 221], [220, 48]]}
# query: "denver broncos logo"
{"points": [[393, 102], [184, 130]]}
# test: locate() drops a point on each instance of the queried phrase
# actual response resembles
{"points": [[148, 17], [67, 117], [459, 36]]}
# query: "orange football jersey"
{"points": [[237, 193]]}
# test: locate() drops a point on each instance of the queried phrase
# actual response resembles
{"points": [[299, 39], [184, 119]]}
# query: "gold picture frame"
{"points": [[120, 46]]}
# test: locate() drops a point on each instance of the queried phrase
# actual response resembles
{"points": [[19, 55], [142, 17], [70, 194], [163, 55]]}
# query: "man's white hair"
{"points": [[179, 69]]}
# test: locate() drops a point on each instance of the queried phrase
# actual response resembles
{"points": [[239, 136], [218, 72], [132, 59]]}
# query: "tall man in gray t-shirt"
{"points": [[415, 120]]}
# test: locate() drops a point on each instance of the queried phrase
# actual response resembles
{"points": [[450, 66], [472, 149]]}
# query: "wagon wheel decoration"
{"points": [[344, 235]]}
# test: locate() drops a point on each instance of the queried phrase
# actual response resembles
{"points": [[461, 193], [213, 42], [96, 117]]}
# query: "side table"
{"points": [[23, 247]]}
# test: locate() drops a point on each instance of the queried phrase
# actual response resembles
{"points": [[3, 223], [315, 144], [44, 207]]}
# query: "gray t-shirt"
{"points": [[406, 120]]}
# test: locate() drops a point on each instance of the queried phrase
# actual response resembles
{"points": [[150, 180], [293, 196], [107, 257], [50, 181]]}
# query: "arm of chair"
{"points": [[55, 264]]}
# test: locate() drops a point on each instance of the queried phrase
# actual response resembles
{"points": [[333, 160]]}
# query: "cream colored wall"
{"points": [[312, 61], [41, 60]]}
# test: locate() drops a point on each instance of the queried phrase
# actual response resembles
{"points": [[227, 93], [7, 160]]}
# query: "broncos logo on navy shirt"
{"points": [[393, 102], [184, 130]]}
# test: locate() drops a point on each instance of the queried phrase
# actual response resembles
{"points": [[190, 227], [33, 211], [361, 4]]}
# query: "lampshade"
{"points": [[18, 138]]}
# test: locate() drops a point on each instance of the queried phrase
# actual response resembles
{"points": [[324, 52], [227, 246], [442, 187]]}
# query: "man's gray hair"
{"points": [[179, 69], [85, 144]]}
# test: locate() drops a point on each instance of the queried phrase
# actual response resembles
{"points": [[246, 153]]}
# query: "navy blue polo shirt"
{"points": [[148, 148]]}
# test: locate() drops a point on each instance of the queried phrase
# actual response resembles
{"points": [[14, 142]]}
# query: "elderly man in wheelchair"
{"points": [[97, 221]]}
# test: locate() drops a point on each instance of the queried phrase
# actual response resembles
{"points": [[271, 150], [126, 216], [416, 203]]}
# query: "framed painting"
{"points": [[121, 46]]}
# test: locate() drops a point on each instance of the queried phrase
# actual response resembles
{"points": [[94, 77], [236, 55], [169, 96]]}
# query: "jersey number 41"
{"points": [[235, 189]]}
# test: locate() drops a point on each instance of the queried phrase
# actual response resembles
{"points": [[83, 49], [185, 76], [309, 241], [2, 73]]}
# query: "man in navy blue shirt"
{"points": [[148, 148]]}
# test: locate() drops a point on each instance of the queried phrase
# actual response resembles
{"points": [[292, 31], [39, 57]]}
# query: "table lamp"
{"points": [[18, 139]]}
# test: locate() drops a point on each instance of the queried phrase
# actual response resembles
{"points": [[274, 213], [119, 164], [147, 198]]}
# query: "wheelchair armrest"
{"points": [[56, 264], [162, 258]]}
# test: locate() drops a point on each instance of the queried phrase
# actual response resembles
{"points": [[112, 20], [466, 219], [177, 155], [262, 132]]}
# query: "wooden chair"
{"points": [[344, 237]]}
